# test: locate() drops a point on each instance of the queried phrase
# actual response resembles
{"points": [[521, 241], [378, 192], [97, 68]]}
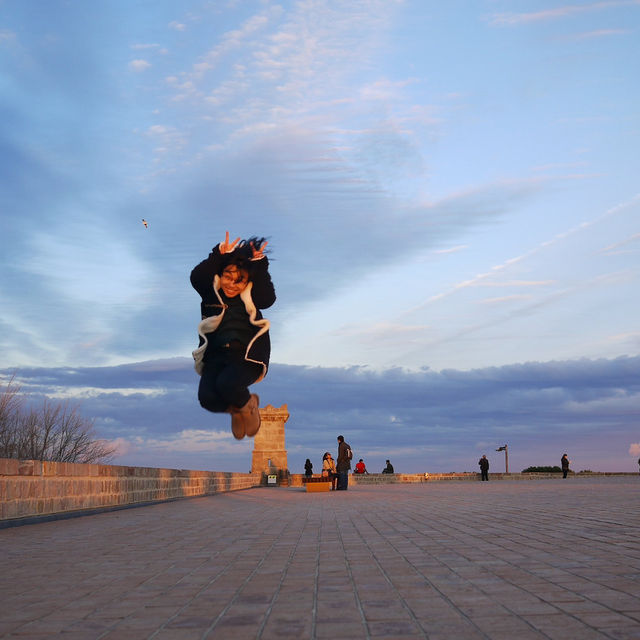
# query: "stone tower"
{"points": [[269, 454]]}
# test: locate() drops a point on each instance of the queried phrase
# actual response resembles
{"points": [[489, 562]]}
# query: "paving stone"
{"points": [[434, 560]]}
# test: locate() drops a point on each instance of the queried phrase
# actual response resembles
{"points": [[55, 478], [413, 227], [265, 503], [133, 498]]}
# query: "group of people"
{"points": [[338, 471]]}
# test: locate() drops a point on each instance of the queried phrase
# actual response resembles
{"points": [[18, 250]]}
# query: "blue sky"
{"points": [[449, 190]]}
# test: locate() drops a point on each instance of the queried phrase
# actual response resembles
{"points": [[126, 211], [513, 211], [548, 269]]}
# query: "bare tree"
{"points": [[56, 431], [11, 405]]}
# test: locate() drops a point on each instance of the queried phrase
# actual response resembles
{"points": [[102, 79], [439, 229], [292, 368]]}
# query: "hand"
{"points": [[259, 252], [226, 247]]}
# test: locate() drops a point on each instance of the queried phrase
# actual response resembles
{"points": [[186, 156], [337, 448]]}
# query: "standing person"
{"points": [[329, 469], [484, 468], [343, 464], [308, 468], [388, 468], [360, 467], [565, 462], [234, 284]]}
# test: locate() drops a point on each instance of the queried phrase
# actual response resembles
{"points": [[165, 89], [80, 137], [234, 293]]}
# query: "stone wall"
{"points": [[296, 479], [30, 488]]}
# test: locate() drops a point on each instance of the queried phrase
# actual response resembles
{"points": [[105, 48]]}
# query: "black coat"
{"points": [[259, 294]]}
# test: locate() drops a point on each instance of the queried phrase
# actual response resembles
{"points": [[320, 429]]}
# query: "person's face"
{"points": [[234, 281]]}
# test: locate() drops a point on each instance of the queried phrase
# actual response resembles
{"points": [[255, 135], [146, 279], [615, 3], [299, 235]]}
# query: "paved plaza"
{"points": [[501, 560]]}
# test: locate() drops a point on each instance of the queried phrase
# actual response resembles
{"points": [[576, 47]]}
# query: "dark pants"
{"points": [[225, 380], [343, 480], [485, 475], [564, 473]]}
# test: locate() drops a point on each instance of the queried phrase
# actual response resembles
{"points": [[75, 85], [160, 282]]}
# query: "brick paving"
{"points": [[499, 560]]}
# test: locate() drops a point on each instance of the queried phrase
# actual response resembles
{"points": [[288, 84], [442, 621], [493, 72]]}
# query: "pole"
{"points": [[505, 448]]}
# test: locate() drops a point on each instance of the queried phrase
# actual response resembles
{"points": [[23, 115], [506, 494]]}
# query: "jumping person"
{"points": [[234, 350]]}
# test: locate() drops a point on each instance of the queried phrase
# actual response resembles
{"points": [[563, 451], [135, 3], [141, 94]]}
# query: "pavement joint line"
{"points": [[560, 611], [186, 605], [523, 589], [316, 576], [218, 575], [363, 617], [420, 573], [283, 575], [239, 590]]}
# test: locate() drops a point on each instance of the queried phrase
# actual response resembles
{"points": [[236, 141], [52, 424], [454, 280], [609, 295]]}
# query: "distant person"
{"points": [[343, 464], [360, 467], [639, 465], [308, 468], [329, 469], [388, 468], [484, 468], [565, 462]]}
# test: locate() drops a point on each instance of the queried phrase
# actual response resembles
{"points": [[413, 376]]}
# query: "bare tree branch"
{"points": [[56, 431]]}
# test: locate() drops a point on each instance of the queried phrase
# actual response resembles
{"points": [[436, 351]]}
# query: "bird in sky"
{"points": [[145, 223]]}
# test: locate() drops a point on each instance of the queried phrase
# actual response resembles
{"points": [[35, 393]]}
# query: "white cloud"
{"points": [[177, 26], [139, 65], [141, 47], [7, 36], [193, 441]]}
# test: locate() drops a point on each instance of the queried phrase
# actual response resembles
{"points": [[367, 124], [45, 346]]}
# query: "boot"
{"points": [[251, 415], [237, 422]]}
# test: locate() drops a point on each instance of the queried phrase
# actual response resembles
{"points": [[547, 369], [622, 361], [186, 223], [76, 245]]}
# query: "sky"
{"points": [[451, 197]]}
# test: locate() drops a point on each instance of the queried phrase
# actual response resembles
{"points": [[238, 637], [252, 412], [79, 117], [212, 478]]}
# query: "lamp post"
{"points": [[505, 448]]}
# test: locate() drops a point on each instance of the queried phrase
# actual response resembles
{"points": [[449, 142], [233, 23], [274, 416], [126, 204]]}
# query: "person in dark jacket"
{"points": [[565, 462], [388, 468], [234, 285], [343, 464], [308, 468], [484, 468]]}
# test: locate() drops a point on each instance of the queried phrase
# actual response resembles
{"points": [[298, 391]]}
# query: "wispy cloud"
{"points": [[513, 19], [487, 278], [453, 249], [599, 33], [505, 299], [622, 246]]}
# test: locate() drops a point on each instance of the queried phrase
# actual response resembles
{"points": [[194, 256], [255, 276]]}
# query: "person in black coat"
{"points": [[388, 468], [565, 462], [308, 468], [484, 468], [234, 285]]}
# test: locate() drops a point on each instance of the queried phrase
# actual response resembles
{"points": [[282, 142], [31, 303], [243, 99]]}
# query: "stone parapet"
{"points": [[31, 488], [296, 479]]}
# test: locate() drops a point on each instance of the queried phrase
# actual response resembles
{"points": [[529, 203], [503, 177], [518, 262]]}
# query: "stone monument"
{"points": [[269, 453]]}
